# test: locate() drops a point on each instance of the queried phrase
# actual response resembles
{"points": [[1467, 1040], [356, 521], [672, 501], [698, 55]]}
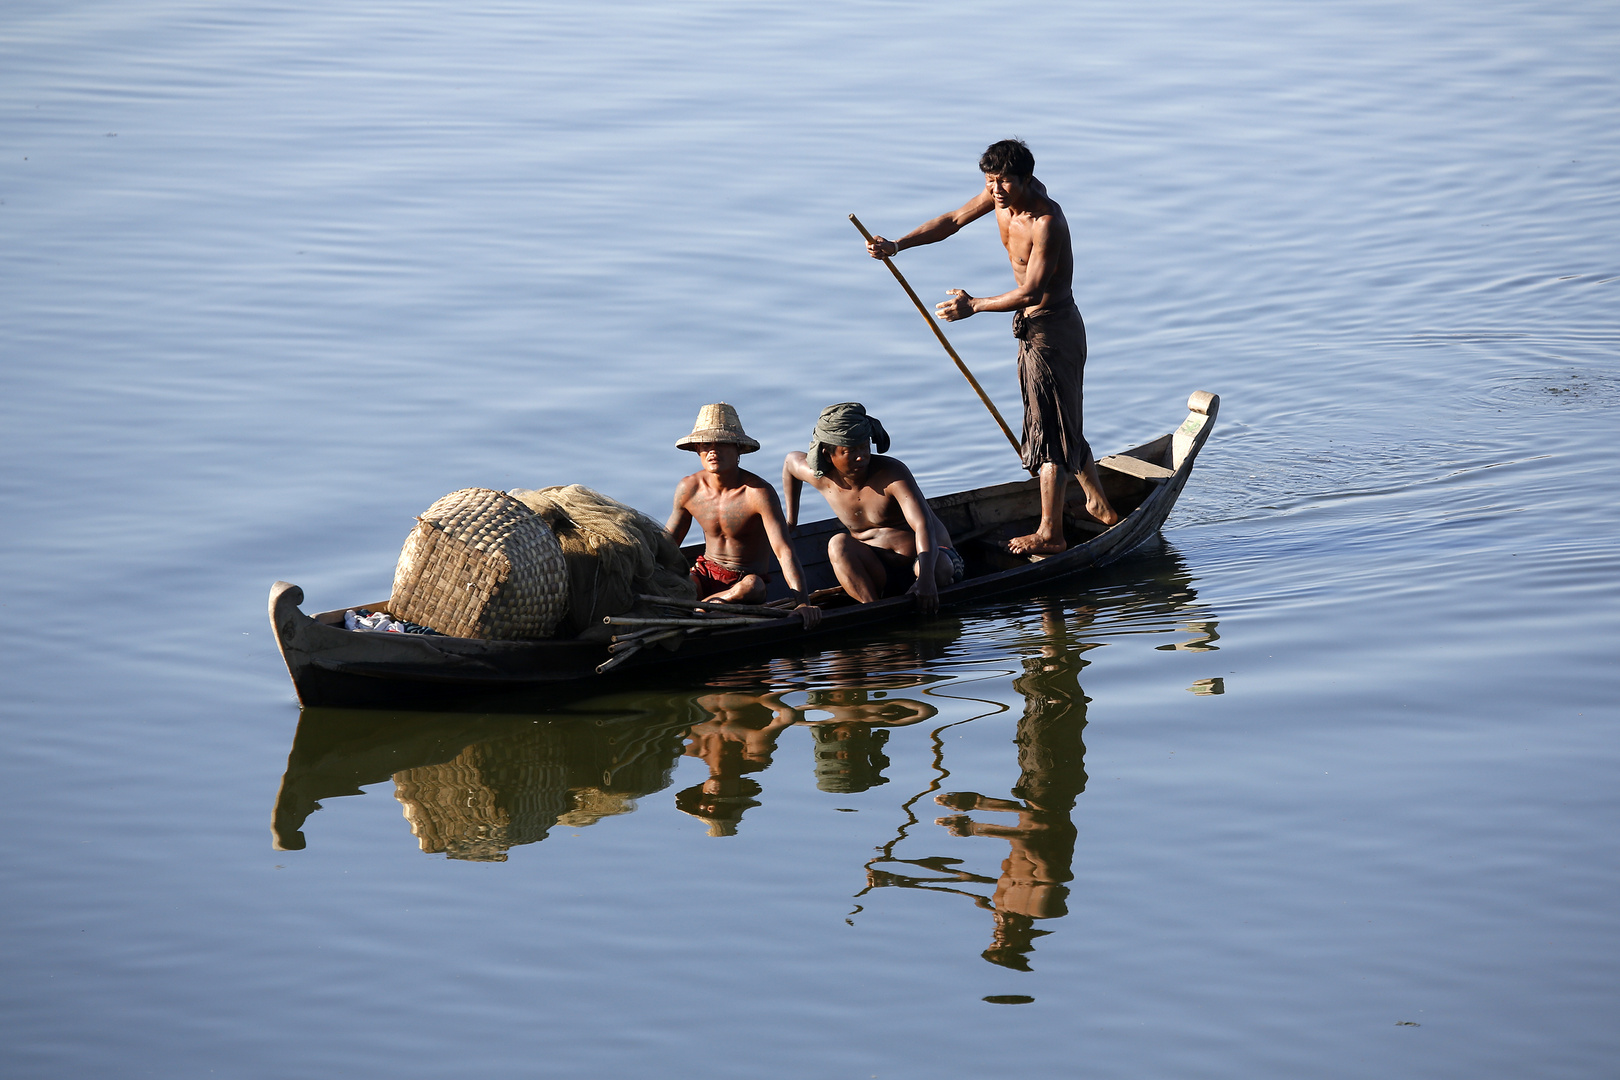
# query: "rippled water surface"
{"points": [[1318, 784]]}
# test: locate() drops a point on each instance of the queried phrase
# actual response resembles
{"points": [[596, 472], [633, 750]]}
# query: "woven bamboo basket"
{"points": [[481, 564]]}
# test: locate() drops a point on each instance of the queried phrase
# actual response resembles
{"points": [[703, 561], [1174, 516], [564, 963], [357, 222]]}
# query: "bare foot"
{"points": [[957, 824], [1102, 512], [1036, 544], [957, 800]]}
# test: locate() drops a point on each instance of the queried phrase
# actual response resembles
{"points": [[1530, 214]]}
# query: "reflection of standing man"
{"points": [[1052, 761], [1052, 337]]}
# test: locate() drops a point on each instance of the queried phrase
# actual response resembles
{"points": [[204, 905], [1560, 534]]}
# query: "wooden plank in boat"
{"points": [[1131, 466]]}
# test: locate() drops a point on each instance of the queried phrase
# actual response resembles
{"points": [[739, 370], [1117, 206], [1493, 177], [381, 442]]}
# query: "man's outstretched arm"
{"points": [[935, 229]]}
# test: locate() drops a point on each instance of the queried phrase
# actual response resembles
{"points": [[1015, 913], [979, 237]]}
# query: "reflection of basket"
{"points": [[481, 564]]}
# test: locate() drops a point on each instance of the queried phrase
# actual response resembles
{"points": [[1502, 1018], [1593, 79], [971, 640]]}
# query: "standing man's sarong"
{"points": [[1051, 363]]}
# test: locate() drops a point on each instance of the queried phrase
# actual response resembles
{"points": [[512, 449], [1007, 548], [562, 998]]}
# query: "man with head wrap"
{"points": [[894, 536]]}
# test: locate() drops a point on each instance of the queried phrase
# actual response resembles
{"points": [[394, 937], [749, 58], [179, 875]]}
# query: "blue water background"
{"points": [[276, 276]]}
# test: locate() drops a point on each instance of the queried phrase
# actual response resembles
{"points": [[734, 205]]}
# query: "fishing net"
{"points": [[613, 553]]}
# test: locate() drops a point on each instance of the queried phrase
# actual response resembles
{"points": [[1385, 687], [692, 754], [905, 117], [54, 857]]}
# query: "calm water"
{"points": [[1320, 785]]}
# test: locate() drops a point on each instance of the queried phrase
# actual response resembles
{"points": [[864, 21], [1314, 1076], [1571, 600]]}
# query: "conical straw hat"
{"points": [[717, 423]]}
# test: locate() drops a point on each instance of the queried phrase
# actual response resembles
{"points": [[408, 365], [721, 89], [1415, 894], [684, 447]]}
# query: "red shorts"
{"points": [[710, 577]]}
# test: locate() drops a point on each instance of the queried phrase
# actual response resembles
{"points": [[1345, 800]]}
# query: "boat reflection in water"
{"points": [[475, 785]]}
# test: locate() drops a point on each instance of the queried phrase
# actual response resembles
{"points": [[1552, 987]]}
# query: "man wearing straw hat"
{"points": [[740, 517], [1051, 335], [894, 535]]}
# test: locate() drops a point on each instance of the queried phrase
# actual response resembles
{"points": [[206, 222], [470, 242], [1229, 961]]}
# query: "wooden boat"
{"points": [[337, 667]]}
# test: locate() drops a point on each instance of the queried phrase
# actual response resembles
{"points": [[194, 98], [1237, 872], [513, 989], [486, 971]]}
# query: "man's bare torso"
{"points": [[1016, 236], [743, 725], [872, 513], [731, 519]]}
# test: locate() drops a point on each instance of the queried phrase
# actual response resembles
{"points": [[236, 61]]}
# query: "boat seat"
{"points": [[1130, 466]]}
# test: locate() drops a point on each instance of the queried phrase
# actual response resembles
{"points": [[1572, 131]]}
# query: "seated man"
{"points": [[893, 534], [740, 517]]}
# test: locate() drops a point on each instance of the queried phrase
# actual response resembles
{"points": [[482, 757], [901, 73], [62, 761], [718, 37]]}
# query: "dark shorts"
{"points": [[1051, 364], [903, 574], [710, 577]]}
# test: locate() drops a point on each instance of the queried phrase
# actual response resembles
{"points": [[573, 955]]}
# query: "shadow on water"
{"points": [[475, 784]]}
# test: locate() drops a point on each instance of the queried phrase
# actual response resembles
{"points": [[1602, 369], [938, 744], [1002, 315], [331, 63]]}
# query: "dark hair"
{"points": [[1009, 156]]}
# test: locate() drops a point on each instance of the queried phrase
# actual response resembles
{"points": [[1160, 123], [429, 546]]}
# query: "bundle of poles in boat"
{"points": [[685, 617]]}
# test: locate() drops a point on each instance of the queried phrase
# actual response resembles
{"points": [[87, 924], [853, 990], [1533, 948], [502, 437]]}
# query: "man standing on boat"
{"points": [[1051, 335]]}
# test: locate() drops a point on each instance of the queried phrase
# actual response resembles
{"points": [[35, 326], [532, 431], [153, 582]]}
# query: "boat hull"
{"points": [[331, 666]]}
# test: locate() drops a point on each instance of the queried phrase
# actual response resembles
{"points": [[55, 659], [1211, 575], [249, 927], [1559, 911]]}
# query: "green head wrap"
{"points": [[844, 424]]}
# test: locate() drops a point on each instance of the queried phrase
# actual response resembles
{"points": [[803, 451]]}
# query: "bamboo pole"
{"points": [[650, 636], [625, 620], [616, 659], [929, 319], [620, 641], [761, 610]]}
